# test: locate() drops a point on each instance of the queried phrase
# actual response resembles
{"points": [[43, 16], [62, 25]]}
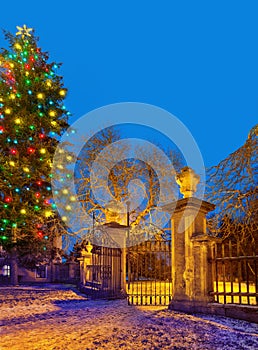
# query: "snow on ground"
{"points": [[60, 318]]}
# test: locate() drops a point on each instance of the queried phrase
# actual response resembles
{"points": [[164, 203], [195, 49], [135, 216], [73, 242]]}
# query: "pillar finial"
{"points": [[188, 180]]}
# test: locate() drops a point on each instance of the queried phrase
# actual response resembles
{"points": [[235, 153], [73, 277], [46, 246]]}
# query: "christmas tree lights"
{"points": [[32, 116]]}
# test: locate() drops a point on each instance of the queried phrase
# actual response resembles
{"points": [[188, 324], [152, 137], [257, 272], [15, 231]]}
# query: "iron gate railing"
{"points": [[149, 279], [104, 273], [235, 275]]}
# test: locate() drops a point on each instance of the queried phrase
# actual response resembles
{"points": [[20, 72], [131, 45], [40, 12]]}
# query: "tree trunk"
{"points": [[14, 267]]}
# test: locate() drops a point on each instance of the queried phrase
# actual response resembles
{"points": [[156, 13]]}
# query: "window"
{"points": [[6, 270], [41, 271]]}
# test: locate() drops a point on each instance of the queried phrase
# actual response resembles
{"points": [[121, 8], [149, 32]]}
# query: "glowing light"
{"points": [[37, 195], [12, 96], [31, 150], [62, 92], [49, 83], [52, 113], [68, 207], [12, 163], [18, 46], [43, 151], [40, 96], [48, 213], [54, 123], [8, 111], [26, 169], [64, 218], [8, 199], [23, 211], [72, 198], [65, 191], [17, 121], [13, 151]]}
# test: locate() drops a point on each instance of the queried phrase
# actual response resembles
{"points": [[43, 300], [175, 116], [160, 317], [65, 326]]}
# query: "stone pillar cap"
{"points": [[188, 180]]}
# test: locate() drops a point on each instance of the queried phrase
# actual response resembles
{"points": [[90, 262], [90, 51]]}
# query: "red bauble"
{"points": [[40, 234], [46, 202], [31, 150], [8, 199]]}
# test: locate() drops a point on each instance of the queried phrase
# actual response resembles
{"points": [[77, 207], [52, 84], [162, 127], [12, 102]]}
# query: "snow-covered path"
{"points": [[59, 317]]}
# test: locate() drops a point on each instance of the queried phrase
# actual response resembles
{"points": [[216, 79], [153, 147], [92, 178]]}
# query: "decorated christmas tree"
{"points": [[32, 118]]}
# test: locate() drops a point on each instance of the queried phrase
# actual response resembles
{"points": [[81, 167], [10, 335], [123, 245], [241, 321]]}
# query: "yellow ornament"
{"points": [[18, 46], [49, 83], [43, 151], [23, 31], [62, 92], [48, 213], [52, 113], [40, 96]]}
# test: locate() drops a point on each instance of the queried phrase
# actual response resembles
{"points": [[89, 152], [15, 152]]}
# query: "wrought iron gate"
{"points": [[103, 274], [149, 279]]}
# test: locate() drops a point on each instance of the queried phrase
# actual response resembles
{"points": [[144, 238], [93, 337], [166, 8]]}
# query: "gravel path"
{"points": [[60, 318]]}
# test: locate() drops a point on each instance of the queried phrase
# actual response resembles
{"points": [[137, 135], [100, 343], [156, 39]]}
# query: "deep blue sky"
{"points": [[196, 59]]}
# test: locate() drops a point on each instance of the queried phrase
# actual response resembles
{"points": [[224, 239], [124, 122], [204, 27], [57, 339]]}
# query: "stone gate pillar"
{"points": [[85, 261], [191, 248], [118, 234]]}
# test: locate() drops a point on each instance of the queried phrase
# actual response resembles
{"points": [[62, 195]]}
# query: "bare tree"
{"points": [[111, 169], [233, 188]]}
